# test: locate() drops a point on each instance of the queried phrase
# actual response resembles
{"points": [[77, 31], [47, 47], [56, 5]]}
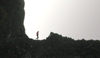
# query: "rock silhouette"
{"points": [[14, 43], [11, 18], [12, 32]]}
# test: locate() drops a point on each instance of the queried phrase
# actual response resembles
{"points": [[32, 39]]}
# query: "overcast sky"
{"points": [[73, 18]]}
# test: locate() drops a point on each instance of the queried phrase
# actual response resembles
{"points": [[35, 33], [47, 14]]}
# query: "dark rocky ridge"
{"points": [[14, 43]]}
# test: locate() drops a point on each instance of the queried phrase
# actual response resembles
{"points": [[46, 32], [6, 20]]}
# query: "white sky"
{"points": [[73, 18]]}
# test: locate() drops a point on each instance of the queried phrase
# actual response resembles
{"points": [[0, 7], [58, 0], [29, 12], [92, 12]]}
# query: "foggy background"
{"points": [[73, 18]]}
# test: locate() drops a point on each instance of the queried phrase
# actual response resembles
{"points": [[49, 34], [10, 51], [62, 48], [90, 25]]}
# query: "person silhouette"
{"points": [[37, 34]]}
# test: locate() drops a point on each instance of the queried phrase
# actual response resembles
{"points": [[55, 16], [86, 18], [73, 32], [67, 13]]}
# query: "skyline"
{"points": [[72, 18]]}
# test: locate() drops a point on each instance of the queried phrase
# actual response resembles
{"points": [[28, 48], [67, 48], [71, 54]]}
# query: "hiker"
{"points": [[37, 34]]}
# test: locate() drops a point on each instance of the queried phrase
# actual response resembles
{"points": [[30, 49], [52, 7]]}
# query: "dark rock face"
{"points": [[11, 18], [13, 40]]}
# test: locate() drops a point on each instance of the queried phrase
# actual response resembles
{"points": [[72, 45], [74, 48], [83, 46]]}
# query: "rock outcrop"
{"points": [[11, 18], [13, 40]]}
